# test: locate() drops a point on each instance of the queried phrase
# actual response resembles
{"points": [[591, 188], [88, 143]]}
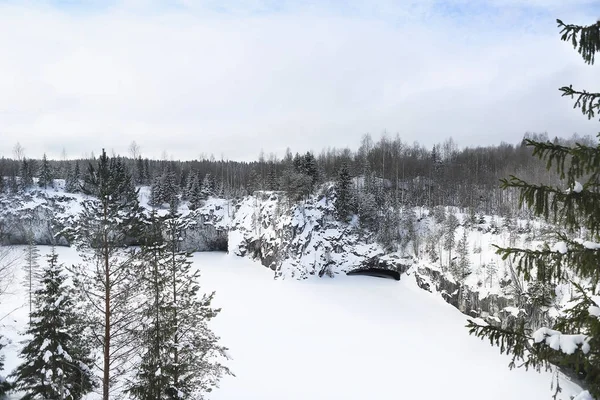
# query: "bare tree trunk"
{"points": [[106, 376]]}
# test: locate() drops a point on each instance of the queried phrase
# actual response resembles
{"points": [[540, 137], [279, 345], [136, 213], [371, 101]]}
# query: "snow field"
{"points": [[343, 338]]}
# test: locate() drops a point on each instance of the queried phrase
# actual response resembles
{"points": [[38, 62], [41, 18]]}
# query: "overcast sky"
{"points": [[198, 77]]}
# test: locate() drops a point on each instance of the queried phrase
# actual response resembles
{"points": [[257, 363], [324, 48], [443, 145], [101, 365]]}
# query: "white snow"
{"points": [[345, 338], [563, 342], [352, 338], [560, 247], [578, 187], [585, 395]]}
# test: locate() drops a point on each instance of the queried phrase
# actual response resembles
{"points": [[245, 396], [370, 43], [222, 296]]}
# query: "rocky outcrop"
{"points": [[294, 239], [496, 309], [298, 240], [33, 217]]}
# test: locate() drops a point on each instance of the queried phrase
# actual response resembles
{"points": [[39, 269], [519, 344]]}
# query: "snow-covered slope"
{"points": [[347, 338], [299, 240]]}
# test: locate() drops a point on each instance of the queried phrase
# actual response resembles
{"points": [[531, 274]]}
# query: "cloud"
{"points": [[202, 79]]}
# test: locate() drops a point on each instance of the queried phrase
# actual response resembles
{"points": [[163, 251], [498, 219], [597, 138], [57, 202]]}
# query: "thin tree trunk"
{"points": [[106, 377], [176, 322]]}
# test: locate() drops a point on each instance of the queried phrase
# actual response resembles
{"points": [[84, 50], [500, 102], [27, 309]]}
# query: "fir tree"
{"points": [[343, 200], [57, 358], [577, 209], [46, 177]]}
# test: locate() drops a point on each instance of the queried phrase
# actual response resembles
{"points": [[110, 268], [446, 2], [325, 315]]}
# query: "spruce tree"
{"points": [[207, 189], [46, 177], [72, 183], [195, 193], [26, 173], [343, 199], [574, 259], [56, 358]]}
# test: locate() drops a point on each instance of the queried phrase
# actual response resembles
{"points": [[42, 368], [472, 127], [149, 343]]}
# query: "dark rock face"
{"points": [[33, 217], [376, 272], [489, 307], [379, 267]]}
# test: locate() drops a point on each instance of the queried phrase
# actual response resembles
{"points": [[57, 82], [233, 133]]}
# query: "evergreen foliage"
{"points": [[26, 174], [165, 189], [57, 358], [46, 176], [450, 225], [208, 187], [576, 208], [180, 353], [73, 179], [108, 219], [343, 199], [4, 384]]}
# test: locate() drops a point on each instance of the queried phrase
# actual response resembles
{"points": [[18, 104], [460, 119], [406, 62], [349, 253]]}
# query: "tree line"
{"points": [[414, 174], [134, 314]]}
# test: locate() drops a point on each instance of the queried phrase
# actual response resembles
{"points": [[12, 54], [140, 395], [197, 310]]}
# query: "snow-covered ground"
{"points": [[344, 338]]}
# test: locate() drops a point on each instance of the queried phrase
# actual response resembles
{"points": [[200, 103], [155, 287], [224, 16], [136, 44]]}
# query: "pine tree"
{"points": [[343, 200], [57, 358], [46, 176], [181, 354], [577, 210], [106, 279]]}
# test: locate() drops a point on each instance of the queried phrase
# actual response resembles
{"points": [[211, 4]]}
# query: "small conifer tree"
{"points": [[57, 358]]}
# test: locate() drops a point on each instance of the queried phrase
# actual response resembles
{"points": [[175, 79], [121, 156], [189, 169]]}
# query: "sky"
{"points": [[192, 78]]}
